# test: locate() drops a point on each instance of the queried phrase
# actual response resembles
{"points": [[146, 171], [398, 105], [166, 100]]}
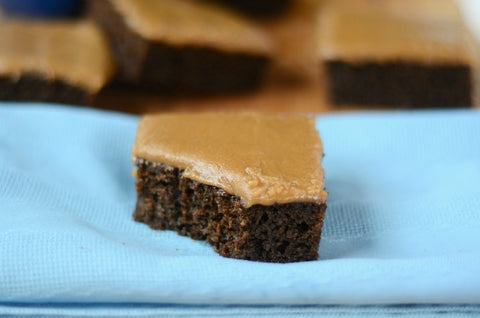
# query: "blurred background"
{"points": [[318, 60]]}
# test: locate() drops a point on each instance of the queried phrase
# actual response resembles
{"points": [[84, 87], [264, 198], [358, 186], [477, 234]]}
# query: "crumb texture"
{"points": [[277, 233]]}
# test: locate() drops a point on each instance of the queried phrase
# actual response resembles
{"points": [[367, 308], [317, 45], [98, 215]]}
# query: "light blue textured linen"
{"points": [[402, 225]]}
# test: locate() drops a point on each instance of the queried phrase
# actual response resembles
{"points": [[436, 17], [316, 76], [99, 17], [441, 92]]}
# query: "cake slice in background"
{"points": [[181, 46], [60, 62], [411, 54]]}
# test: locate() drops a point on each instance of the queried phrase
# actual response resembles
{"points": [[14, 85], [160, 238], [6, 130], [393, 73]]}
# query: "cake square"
{"points": [[391, 54], [63, 62], [183, 46], [251, 185]]}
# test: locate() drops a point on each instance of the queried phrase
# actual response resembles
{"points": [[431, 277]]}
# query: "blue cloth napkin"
{"points": [[402, 224]]}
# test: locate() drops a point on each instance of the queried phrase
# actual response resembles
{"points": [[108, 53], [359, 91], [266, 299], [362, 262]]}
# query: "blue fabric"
{"points": [[42, 8], [402, 225]]}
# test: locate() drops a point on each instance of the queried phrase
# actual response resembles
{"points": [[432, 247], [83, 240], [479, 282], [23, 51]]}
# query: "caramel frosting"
{"points": [[181, 23], [263, 159], [440, 10], [359, 33], [75, 52]]}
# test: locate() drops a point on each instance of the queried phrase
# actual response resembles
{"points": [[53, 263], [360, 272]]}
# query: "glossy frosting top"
{"points": [[75, 52], [263, 159], [180, 23], [357, 32]]}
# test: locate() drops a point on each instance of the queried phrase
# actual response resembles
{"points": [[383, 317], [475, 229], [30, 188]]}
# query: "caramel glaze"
{"points": [[374, 31], [195, 23], [263, 159], [75, 52]]}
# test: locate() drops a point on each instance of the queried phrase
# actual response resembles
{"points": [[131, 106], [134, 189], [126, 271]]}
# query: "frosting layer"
{"points": [[75, 52], [183, 23], [440, 10], [263, 159], [390, 30]]}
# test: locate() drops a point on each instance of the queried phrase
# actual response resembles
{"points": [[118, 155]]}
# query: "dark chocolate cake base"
{"points": [[399, 84], [185, 69], [279, 233], [259, 7], [34, 88]]}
